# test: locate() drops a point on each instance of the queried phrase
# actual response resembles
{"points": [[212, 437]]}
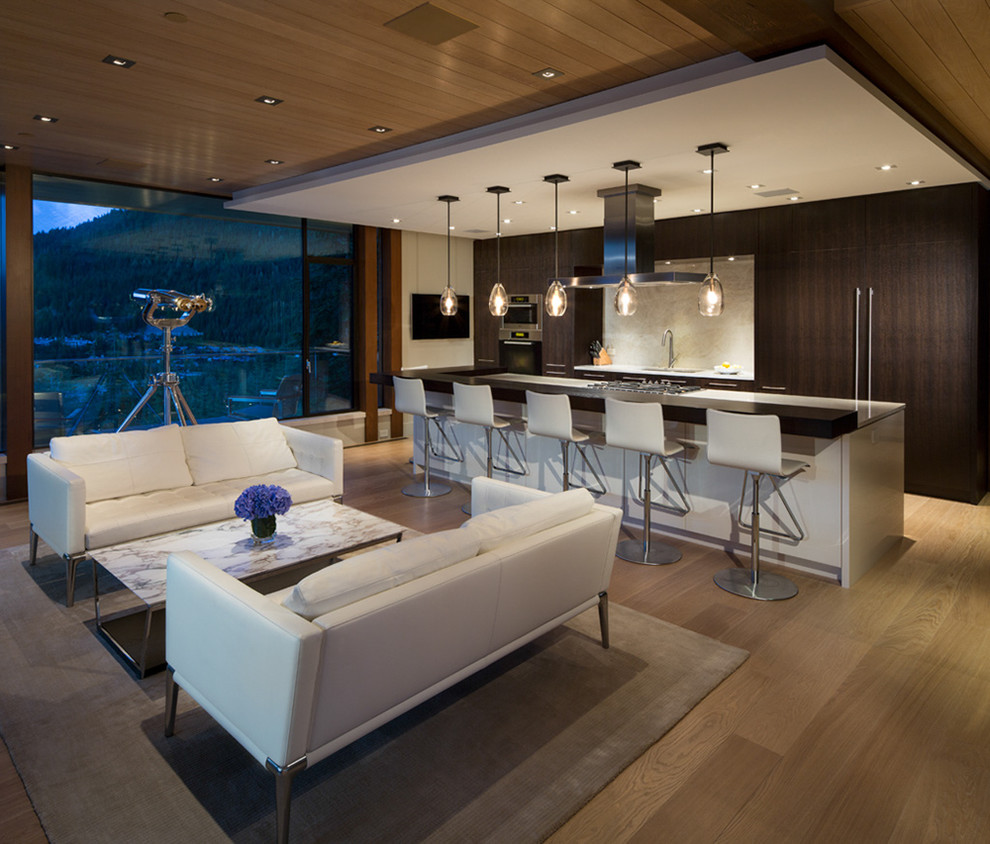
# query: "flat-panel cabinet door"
{"points": [[486, 329], [806, 322], [922, 333]]}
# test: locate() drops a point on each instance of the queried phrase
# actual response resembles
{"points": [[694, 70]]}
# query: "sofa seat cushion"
{"points": [[226, 450], [302, 486], [138, 516], [377, 570], [507, 523], [127, 463]]}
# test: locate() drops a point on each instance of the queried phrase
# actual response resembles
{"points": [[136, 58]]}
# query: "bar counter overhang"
{"points": [[850, 500]]}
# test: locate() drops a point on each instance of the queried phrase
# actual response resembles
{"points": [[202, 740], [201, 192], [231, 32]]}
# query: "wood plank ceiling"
{"points": [[186, 110]]}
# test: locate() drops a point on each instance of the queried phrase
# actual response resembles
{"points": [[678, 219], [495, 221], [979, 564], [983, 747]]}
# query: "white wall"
{"points": [[424, 270], [699, 341]]}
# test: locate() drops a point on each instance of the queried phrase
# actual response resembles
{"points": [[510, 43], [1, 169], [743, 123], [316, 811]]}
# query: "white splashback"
{"points": [[699, 342]]}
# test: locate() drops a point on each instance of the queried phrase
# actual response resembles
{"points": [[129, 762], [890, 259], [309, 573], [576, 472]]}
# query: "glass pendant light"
{"points": [[710, 298], [555, 301], [498, 302], [626, 298], [448, 298]]}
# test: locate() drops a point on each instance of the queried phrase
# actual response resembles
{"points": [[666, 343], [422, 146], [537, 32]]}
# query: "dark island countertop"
{"points": [[805, 416]]}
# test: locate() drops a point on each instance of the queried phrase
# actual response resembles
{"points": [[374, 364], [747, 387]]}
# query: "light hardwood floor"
{"points": [[862, 715]]}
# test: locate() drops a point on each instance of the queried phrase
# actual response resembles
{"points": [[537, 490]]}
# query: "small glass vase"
{"points": [[263, 530]]}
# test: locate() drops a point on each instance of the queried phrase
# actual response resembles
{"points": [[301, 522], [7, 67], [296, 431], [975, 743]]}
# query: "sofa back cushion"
{"points": [[497, 526], [375, 571], [225, 450], [128, 463]]}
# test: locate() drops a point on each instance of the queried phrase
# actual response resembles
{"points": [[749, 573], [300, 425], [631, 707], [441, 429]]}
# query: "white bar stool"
{"points": [[549, 415], [638, 426], [410, 397], [752, 443]]}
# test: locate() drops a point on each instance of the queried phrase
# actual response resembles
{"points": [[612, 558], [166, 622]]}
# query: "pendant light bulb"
{"points": [[626, 297], [448, 298], [498, 301], [711, 301], [555, 300], [448, 301]]}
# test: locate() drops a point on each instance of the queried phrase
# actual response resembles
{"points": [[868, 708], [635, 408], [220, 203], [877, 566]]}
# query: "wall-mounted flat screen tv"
{"points": [[429, 324]]}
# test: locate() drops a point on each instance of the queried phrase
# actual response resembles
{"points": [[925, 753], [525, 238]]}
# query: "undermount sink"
{"points": [[669, 369]]}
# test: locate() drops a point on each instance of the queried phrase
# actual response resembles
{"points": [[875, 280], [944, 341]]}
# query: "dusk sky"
{"points": [[55, 215]]}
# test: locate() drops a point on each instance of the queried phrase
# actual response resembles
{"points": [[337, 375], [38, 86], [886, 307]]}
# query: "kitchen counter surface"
{"points": [[809, 416], [660, 372]]}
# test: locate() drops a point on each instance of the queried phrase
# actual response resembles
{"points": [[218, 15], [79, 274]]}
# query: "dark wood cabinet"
{"points": [[919, 335], [566, 339]]}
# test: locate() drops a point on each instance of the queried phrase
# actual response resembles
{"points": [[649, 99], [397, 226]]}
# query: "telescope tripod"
{"points": [[172, 393]]}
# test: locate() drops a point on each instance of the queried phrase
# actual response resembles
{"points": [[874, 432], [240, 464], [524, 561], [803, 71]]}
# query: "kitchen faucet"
{"points": [[670, 354]]}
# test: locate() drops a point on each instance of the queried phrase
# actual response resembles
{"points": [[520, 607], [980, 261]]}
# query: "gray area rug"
{"points": [[507, 755]]}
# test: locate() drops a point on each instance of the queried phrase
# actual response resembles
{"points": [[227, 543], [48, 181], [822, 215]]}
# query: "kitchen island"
{"points": [[850, 501]]}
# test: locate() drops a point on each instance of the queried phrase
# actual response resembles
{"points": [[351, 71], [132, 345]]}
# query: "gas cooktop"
{"points": [[645, 386]]}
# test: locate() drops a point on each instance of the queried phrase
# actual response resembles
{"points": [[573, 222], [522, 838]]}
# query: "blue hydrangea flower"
{"points": [[262, 500]]}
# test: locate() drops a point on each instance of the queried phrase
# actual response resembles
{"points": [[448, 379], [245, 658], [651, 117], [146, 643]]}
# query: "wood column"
{"points": [[392, 357], [366, 265], [18, 406]]}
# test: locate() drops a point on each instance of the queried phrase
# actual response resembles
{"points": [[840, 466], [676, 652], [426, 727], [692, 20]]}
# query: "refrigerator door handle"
{"points": [[869, 347], [856, 358]]}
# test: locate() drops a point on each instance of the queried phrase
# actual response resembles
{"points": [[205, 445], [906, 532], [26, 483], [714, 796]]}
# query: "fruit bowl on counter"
{"points": [[727, 368]]}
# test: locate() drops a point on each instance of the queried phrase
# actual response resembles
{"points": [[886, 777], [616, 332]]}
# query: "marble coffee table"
{"points": [[309, 535]]}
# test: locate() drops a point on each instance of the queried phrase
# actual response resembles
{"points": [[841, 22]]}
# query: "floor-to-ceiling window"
{"points": [[273, 325]]}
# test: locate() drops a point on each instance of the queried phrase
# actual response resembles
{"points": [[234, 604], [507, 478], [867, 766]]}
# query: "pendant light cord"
{"points": [[711, 216], [448, 244], [498, 238], [625, 239], [556, 234]]}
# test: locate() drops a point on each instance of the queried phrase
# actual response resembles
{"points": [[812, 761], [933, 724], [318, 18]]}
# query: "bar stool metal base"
{"points": [[768, 586], [421, 490], [647, 554]]}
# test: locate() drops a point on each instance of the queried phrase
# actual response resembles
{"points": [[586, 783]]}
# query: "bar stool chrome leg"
{"points": [[763, 586], [424, 489], [645, 551]]}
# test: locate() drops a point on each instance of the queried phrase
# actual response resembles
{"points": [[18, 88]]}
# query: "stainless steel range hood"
{"points": [[642, 237]]}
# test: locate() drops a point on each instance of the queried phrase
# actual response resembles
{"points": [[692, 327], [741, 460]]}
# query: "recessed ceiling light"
{"points": [[267, 100], [732, 258], [518, 202], [916, 182], [396, 220], [553, 228], [667, 262], [707, 171], [572, 211], [507, 220], [754, 187], [273, 161], [696, 210], [10, 146], [44, 118], [794, 198], [117, 61], [887, 167], [548, 73], [214, 179], [379, 130], [175, 17]]}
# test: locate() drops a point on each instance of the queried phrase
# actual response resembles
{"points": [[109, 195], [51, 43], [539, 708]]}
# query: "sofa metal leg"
{"points": [[603, 617], [34, 547], [70, 577], [283, 795], [171, 700]]}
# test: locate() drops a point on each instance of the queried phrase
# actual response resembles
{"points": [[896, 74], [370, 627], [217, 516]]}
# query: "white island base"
{"points": [[849, 501]]}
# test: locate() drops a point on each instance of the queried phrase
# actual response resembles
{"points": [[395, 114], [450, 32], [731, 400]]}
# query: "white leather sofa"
{"points": [[94, 490], [296, 675]]}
